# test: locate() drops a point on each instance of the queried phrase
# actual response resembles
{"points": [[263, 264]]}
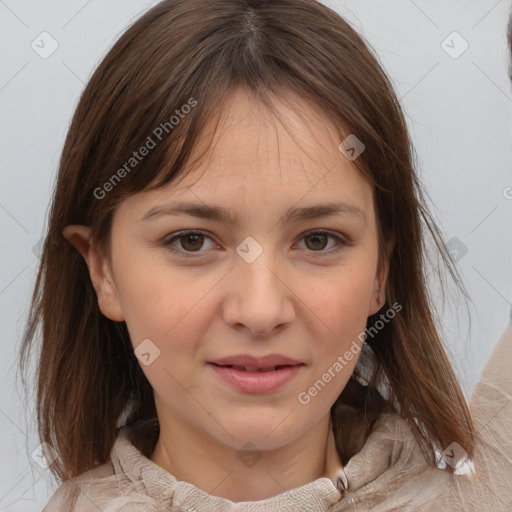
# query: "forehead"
{"points": [[250, 157], [294, 144]]}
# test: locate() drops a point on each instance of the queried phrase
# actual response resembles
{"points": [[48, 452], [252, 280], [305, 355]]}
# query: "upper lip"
{"points": [[268, 361]]}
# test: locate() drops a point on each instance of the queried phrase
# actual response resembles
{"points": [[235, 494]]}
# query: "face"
{"points": [[265, 283]]}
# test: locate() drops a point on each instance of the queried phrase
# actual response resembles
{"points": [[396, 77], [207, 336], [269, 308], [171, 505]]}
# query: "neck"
{"points": [[193, 456]]}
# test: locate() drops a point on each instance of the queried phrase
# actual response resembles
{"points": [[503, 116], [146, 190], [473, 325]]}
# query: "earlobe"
{"points": [[376, 304], [108, 300]]}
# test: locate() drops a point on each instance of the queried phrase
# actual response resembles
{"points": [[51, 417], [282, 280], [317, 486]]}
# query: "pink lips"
{"points": [[256, 374], [263, 362]]}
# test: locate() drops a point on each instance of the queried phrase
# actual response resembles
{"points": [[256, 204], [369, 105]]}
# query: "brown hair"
{"points": [[183, 50]]}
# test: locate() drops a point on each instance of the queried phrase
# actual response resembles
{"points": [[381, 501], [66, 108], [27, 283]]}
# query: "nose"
{"points": [[259, 297]]}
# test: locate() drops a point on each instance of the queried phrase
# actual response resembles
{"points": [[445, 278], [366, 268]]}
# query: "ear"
{"points": [[379, 289], [99, 270]]}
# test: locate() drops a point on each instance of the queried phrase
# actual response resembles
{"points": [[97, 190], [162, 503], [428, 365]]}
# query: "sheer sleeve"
{"points": [[491, 407]]}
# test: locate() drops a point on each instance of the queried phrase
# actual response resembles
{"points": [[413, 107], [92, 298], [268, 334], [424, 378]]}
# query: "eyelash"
{"points": [[342, 243]]}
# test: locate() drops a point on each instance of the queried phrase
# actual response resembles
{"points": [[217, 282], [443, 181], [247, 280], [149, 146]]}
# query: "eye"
{"points": [[320, 238], [191, 242]]}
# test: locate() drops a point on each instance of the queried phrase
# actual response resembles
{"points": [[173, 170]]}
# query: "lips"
{"points": [[255, 380], [248, 363], [254, 368]]}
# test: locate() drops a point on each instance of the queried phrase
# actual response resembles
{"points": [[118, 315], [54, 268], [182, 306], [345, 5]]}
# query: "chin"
{"points": [[264, 433]]}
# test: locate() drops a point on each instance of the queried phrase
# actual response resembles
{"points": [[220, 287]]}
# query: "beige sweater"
{"points": [[388, 474]]}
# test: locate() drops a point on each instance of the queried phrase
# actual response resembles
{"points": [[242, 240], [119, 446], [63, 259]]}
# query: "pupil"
{"points": [[317, 236], [194, 239]]}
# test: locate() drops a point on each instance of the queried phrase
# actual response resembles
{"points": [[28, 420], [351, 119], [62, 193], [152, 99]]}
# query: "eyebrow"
{"points": [[217, 213]]}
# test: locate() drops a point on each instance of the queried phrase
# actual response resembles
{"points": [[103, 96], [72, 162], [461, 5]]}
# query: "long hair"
{"points": [[192, 52]]}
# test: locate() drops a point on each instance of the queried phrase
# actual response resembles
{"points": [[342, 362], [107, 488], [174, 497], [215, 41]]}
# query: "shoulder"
{"points": [[494, 389], [490, 404], [128, 482], [492, 414], [84, 492], [101, 488], [64, 498]]}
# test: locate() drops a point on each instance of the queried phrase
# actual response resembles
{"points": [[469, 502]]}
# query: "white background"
{"points": [[458, 110]]}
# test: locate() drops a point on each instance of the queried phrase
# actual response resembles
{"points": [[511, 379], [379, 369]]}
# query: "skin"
{"points": [[299, 298]]}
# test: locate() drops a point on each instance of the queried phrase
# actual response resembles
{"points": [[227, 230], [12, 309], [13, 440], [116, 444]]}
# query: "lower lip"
{"points": [[257, 382]]}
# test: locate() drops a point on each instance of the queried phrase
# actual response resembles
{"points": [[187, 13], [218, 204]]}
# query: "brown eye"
{"points": [[318, 241], [191, 242], [188, 243]]}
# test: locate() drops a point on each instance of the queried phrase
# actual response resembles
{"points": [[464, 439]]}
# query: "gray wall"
{"points": [[458, 106]]}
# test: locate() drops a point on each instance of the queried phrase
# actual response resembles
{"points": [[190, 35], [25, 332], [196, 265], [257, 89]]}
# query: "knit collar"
{"points": [[136, 471]]}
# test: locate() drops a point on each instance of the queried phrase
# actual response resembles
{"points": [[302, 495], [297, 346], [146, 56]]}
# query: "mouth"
{"points": [[255, 369], [254, 379]]}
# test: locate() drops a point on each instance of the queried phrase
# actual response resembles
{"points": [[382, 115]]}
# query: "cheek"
{"points": [[342, 301], [149, 300], [341, 312], [162, 303]]}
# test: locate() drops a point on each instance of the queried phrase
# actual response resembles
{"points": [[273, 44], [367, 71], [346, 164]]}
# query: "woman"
{"points": [[263, 372]]}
